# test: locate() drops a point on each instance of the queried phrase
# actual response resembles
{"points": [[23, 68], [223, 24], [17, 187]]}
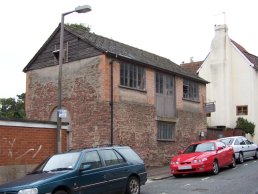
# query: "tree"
{"points": [[79, 27], [13, 108], [245, 125]]}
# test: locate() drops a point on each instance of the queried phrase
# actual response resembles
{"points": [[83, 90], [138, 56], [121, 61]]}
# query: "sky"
{"points": [[174, 29]]}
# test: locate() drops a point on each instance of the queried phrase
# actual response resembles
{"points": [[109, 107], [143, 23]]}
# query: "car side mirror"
{"points": [[220, 148], [181, 152], [85, 166]]}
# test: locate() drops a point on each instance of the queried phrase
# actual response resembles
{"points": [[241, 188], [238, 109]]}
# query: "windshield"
{"points": [[227, 141], [202, 147], [58, 162]]}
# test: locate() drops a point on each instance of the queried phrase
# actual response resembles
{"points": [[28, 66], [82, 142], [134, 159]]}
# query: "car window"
{"points": [[236, 142], [202, 147], [92, 158], [129, 154], [221, 144], [227, 141], [110, 157], [247, 142], [62, 161], [241, 141]]}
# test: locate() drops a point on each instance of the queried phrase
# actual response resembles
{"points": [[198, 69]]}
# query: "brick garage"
{"points": [[24, 144], [97, 101]]}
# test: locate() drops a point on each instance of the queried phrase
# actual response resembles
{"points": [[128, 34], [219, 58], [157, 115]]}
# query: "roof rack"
{"points": [[95, 146]]}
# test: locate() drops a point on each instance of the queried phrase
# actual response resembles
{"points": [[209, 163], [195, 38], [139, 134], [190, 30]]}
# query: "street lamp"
{"points": [[79, 9]]}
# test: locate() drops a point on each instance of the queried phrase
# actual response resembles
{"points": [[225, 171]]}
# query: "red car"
{"points": [[204, 156]]}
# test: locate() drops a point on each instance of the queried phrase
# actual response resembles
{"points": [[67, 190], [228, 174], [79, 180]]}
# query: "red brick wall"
{"points": [[27, 145]]}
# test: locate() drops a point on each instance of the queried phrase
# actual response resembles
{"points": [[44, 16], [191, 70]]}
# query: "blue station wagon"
{"points": [[115, 169]]}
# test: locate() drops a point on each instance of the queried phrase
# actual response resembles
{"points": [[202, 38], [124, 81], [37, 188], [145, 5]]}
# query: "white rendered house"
{"points": [[233, 76]]}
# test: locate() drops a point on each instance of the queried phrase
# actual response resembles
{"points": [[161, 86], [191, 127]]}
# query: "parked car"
{"points": [[203, 156], [87, 171], [243, 148]]}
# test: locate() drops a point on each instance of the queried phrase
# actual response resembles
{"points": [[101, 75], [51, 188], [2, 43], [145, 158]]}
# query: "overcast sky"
{"points": [[175, 29]]}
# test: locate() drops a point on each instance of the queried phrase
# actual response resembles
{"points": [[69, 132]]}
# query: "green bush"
{"points": [[245, 125]]}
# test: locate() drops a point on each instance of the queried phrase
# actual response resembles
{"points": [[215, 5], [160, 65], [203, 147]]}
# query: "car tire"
{"points": [[215, 167], [256, 154], [60, 192], [233, 163], [240, 158], [133, 186], [177, 175]]}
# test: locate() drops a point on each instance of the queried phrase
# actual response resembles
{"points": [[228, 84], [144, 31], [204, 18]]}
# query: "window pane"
{"points": [[166, 131], [109, 157], [132, 76], [169, 85], [242, 110], [190, 90], [129, 154], [93, 159], [157, 83]]}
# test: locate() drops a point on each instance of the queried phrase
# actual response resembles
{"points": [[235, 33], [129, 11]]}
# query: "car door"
{"points": [[116, 169], [243, 147], [251, 148], [222, 154], [91, 177]]}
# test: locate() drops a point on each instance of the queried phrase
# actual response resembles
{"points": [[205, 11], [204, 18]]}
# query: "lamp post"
{"points": [[79, 9]]}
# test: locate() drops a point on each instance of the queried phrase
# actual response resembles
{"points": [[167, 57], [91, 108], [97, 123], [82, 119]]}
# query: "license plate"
{"points": [[184, 167]]}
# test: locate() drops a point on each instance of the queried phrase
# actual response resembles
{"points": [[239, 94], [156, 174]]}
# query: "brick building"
{"points": [[149, 102]]}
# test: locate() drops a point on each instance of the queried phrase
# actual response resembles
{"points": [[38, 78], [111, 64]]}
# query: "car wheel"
{"points": [[133, 186], [256, 154], [177, 175], [60, 192], [241, 158], [233, 163], [215, 168]]}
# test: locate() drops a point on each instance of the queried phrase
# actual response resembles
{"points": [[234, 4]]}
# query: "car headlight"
{"points": [[29, 191], [175, 162], [200, 160]]}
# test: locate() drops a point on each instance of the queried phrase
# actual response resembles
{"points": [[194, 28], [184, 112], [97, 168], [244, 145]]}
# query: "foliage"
{"points": [[245, 125], [13, 108], [80, 27]]}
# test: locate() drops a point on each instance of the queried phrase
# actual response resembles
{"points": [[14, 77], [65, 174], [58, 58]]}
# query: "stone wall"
{"points": [[86, 95], [136, 125]]}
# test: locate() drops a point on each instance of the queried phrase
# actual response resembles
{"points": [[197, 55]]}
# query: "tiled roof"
{"points": [[252, 58], [124, 51], [192, 66]]}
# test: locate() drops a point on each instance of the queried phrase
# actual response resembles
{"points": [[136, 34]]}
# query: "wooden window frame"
{"points": [[166, 131], [165, 84], [190, 90], [132, 76], [242, 110]]}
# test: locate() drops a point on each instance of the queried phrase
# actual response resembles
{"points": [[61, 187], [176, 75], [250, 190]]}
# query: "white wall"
{"points": [[233, 82]]}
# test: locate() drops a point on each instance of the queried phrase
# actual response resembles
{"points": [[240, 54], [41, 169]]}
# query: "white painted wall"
{"points": [[233, 81]]}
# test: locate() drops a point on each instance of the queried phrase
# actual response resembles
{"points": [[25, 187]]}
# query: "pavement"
{"points": [[158, 173]]}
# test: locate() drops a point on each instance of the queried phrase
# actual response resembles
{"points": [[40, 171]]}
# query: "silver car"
{"points": [[243, 148]]}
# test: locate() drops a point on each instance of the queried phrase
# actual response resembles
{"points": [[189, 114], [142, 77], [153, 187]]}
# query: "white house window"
{"points": [[132, 76], [190, 90], [242, 110], [166, 131]]}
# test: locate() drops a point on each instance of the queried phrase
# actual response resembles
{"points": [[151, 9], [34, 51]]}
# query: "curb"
{"points": [[160, 177]]}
